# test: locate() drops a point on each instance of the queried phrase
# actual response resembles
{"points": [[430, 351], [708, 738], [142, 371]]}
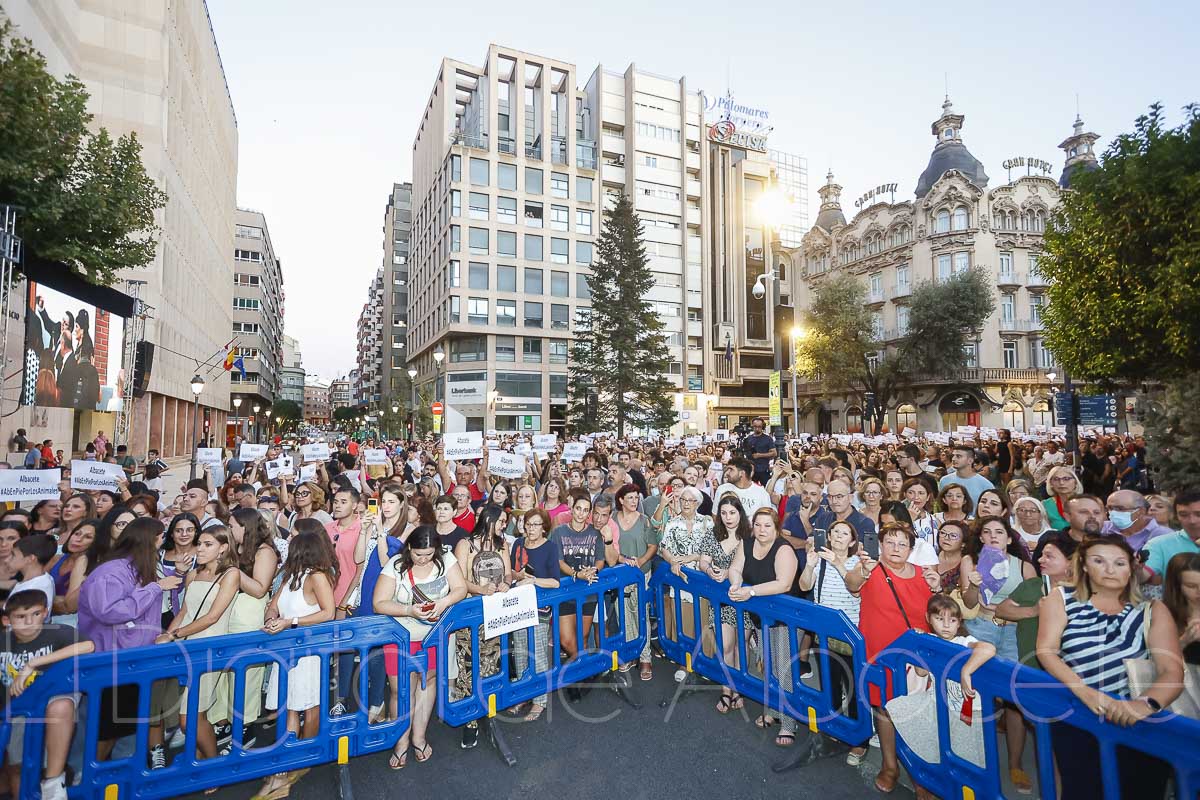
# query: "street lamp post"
{"points": [[237, 418], [257, 431], [197, 388], [439, 355], [412, 405], [797, 335], [395, 414], [269, 423]]}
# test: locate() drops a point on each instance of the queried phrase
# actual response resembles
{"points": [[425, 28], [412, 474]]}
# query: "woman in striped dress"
{"points": [[1084, 636]]}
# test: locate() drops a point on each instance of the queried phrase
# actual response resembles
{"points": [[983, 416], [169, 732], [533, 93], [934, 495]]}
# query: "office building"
{"points": [[393, 339], [317, 411], [958, 218], [291, 373], [153, 68], [258, 311], [369, 354]]}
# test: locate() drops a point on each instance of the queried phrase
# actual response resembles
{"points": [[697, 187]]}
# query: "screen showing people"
{"points": [[72, 353]]}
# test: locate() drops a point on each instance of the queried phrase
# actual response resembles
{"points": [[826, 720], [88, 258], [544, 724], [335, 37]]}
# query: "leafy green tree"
{"points": [[842, 346], [1173, 434], [619, 359], [347, 416], [286, 414], [1121, 256], [85, 199]]}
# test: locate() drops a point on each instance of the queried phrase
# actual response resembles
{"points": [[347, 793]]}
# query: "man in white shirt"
{"points": [[739, 474]]}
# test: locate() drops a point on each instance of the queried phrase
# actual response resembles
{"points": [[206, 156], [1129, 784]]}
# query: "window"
{"points": [[479, 205], [1007, 308], [455, 315], [455, 203], [560, 218], [961, 219], [245, 303], [558, 351], [665, 309], [248, 231], [506, 347], [1006, 263], [558, 387], [477, 275], [455, 274], [506, 279], [876, 284], [533, 214], [560, 316], [583, 289], [506, 243], [962, 262], [942, 222], [531, 350], [583, 189], [560, 284], [1035, 275], [970, 353], [468, 348], [479, 172], [1010, 355], [675, 368], [1036, 302], [877, 324], [245, 327], [560, 250], [506, 176], [479, 241], [456, 168], [533, 280], [477, 310], [560, 185], [533, 315], [902, 320], [247, 255], [533, 247], [506, 313], [583, 252], [520, 384], [533, 181], [902, 276], [1040, 355], [661, 191], [906, 417], [583, 222], [455, 239], [658, 132], [506, 210]]}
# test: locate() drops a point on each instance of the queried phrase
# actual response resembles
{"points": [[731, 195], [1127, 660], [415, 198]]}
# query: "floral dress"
{"points": [[710, 547]]}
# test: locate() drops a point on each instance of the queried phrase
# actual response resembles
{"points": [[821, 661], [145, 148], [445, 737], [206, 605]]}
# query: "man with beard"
{"points": [[1086, 515]]}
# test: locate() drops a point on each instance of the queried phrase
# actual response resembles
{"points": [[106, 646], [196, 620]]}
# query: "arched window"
{"points": [[1011, 223], [1040, 414], [906, 417], [1039, 220], [1014, 416], [942, 222], [854, 420], [961, 218]]}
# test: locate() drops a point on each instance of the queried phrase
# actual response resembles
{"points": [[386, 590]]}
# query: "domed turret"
{"points": [[950, 153], [831, 204], [1080, 155]]}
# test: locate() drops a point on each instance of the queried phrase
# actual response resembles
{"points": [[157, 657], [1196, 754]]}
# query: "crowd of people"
{"points": [[1007, 548]]}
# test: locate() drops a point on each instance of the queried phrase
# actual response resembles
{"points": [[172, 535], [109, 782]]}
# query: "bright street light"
{"points": [[412, 373], [197, 385], [1050, 376], [439, 354]]}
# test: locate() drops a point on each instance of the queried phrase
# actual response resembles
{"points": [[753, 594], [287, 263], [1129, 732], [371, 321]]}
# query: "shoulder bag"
{"points": [[1142, 674]]}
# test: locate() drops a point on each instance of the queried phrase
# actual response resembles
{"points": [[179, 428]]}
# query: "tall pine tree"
{"points": [[619, 358]]}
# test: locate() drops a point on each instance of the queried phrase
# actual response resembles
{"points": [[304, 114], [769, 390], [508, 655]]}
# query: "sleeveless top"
{"points": [[62, 582], [1004, 457], [762, 570], [1095, 645]]}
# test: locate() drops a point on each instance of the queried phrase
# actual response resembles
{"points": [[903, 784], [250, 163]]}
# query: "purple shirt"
{"points": [[1137, 540], [115, 611]]}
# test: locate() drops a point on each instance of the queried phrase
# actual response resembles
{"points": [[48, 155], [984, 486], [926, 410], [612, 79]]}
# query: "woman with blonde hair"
{"points": [[871, 493], [1061, 484], [309, 503]]}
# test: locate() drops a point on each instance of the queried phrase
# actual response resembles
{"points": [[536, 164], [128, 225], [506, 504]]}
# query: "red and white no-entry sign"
{"points": [[437, 409]]}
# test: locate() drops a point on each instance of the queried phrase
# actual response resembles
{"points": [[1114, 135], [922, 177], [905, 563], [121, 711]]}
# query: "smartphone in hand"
{"points": [[820, 539], [870, 543]]}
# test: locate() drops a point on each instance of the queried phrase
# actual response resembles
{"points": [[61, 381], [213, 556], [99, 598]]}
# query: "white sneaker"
{"points": [[54, 788], [177, 739], [158, 757], [680, 675], [875, 740]]}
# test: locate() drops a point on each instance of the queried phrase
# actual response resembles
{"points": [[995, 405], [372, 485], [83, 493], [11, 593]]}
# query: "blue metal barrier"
{"points": [[338, 739], [501, 690], [1042, 700], [817, 706]]}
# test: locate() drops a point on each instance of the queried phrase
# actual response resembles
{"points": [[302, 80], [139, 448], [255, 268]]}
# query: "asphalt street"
{"points": [[601, 748]]}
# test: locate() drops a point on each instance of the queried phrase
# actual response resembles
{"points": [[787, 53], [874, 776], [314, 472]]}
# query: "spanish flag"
{"points": [[230, 357]]}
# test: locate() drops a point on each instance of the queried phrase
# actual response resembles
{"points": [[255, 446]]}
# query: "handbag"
{"points": [[1142, 674]]}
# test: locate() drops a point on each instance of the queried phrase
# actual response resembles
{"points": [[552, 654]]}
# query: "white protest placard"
{"points": [[573, 451], [252, 452], [506, 465], [523, 449], [509, 611], [908, 432], [96, 475], [317, 451], [208, 455], [692, 443], [31, 485], [588, 440], [278, 467], [720, 435], [463, 446], [218, 474], [375, 457], [545, 442], [671, 443], [308, 472], [493, 444]]}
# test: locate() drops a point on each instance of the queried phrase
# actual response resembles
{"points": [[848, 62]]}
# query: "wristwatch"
{"points": [[295, 622], [752, 591], [1155, 706]]}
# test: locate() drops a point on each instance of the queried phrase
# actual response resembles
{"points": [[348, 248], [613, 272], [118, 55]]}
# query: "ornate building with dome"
{"points": [[956, 220]]}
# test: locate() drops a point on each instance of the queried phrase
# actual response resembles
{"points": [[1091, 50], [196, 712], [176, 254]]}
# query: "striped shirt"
{"points": [[831, 591], [1095, 645]]}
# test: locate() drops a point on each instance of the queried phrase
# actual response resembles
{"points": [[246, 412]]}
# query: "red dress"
{"points": [[879, 618]]}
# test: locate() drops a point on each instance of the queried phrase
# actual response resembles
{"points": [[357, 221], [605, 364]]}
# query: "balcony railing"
{"points": [[478, 141], [900, 290], [875, 297], [533, 151], [1020, 325], [1010, 278], [506, 144], [1036, 279], [585, 154]]}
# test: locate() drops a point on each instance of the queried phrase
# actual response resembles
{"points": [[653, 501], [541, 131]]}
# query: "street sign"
{"points": [[437, 409], [1063, 408], [1098, 409], [774, 401]]}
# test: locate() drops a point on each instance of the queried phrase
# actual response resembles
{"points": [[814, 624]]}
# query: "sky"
{"points": [[328, 98]]}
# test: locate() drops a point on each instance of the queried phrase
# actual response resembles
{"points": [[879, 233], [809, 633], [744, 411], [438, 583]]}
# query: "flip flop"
{"points": [[535, 712], [764, 722], [398, 760], [423, 754]]}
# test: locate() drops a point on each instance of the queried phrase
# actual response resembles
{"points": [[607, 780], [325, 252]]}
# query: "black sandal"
{"points": [[736, 702], [764, 722], [725, 703]]}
